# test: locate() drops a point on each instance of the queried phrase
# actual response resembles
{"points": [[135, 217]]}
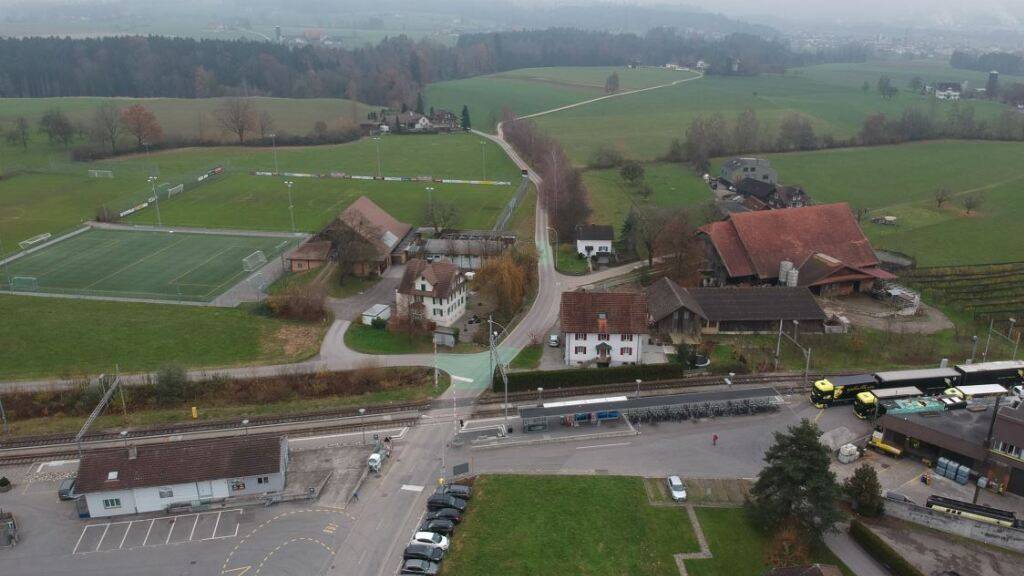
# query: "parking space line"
{"points": [[105, 529], [125, 537], [171, 531], [216, 525], [79, 543], [148, 530], [193, 532]]}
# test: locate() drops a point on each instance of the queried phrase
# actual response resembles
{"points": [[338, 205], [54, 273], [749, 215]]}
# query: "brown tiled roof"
{"points": [[317, 250], [624, 312], [595, 232], [756, 242], [179, 462], [734, 304], [824, 269], [374, 224], [441, 275]]}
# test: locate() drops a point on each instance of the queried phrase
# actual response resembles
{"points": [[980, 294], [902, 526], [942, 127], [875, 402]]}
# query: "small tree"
{"points": [[350, 243], [106, 125], [860, 213], [611, 84], [916, 84], [57, 126], [796, 484], [864, 491], [169, 387], [972, 202], [466, 123], [606, 156], [865, 87], [265, 124], [237, 116], [419, 102], [942, 195], [19, 134], [632, 172], [140, 122], [441, 215]]}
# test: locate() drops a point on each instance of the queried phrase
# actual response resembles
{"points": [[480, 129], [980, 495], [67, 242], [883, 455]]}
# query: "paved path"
{"points": [[616, 95], [843, 546]]}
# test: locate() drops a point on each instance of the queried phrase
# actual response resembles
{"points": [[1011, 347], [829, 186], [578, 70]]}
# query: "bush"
{"points": [[170, 384], [607, 157], [881, 552], [299, 302], [4, 482], [379, 323], [575, 377]]}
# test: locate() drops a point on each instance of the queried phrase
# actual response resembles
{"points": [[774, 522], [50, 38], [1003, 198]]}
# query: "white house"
{"points": [[153, 477], [603, 328], [948, 90], [594, 240], [432, 291]]}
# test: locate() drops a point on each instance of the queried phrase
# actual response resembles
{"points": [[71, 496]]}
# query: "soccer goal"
{"points": [[254, 261], [175, 190], [101, 173], [24, 284], [34, 240]]}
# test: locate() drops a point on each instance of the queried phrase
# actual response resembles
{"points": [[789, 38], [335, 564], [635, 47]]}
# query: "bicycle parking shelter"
{"points": [[596, 410]]}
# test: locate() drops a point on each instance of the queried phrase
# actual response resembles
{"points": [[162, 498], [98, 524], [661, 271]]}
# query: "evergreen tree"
{"points": [[419, 102], [796, 485], [864, 491], [466, 124]]}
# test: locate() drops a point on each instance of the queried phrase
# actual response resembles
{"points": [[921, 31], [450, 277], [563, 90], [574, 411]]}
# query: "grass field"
{"points": [[69, 338], [138, 264], [673, 185], [530, 90]]}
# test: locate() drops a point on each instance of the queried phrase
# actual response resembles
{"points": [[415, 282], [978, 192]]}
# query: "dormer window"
{"points": [[111, 476]]}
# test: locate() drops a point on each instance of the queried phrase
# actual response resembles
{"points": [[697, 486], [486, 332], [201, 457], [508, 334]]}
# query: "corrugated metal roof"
{"points": [[920, 374]]}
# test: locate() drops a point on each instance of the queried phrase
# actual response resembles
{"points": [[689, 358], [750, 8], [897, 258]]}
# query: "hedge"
{"points": [[881, 552], [574, 377]]}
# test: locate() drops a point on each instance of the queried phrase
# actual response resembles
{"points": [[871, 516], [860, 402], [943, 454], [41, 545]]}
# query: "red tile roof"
{"points": [[754, 243], [316, 250], [376, 225], [443, 276], [179, 462], [624, 312]]}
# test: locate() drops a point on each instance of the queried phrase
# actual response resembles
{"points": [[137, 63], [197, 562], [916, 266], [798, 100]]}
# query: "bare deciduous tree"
{"points": [[972, 202], [19, 134], [441, 215], [942, 195], [106, 125], [678, 249], [351, 245], [265, 124], [57, 126], [141, 123], [238, 117]]}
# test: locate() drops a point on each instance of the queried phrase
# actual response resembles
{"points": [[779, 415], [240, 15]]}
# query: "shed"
{"points": [[377, 311], [445, 336], [309, 256]]}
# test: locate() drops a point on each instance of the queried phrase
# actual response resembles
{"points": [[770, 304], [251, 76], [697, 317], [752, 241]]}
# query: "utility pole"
{"points": [[380, 165], [3, 415], [495, 361], [156, 199], [273, 141], [988, 445], [291, 205], [483, 159]]}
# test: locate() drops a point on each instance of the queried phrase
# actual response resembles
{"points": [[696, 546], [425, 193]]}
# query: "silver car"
{"points": [[676, 488]]}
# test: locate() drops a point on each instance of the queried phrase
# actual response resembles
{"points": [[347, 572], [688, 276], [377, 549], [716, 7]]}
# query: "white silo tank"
{"points": [[784, 267], [793, 278]]}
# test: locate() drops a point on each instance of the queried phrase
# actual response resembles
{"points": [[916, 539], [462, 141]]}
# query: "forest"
{"points": [[390, 73]]}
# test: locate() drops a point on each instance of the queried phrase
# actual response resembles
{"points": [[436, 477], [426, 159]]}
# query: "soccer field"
{"points": [[156, 265]]}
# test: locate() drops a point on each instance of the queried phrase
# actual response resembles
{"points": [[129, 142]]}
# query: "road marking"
{"points": [[77, 544], [462, 379], [821, 412], [412, 488], [169, 532], [148, 530], [216, 524], [100, 543], [193, 532], [603, 445], [125, 537], [244, 570]]}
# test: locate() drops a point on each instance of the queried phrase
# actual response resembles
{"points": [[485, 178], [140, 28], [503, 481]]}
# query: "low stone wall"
{"points": [[1009, 538]]}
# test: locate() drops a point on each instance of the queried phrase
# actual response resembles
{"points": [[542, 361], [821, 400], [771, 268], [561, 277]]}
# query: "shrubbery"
{"points": [[299, 302], [881, 551]]}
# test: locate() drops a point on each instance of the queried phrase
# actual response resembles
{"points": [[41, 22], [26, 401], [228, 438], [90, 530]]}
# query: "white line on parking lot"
{"points": [[80, 536], [603, 445], [105, 529], [148, 530], [53, 463], [412, 488]]}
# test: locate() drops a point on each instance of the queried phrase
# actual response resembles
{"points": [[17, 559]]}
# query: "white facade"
{"points": [[159, 498], [947, 94], [617, 349], [441, 311], [589, 248]]}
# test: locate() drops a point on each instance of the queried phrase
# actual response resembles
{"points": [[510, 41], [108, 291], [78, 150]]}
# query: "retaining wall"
{"points": [[1010, 538]]}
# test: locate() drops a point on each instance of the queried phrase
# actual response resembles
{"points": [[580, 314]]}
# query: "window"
{"points": [[110, 503], [263, 480], [626, 337], [423, 287], [437, 311], [625, 351], [581, 336], [602, 248], [603, 337], [580, 350], [166, 493], [602, 316]]}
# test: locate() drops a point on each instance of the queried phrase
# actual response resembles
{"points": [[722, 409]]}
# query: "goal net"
{"points": [[24, 284], [175, 190], [101, 173], [34, 240], [254, 261]]}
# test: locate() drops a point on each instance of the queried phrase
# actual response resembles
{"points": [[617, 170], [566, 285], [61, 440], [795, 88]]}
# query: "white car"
{"points": [[554, 341], [430, 539], [676, 488]]}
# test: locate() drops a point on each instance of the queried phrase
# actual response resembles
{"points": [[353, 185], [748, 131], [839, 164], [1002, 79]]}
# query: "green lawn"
{"points": [[528, 358], [370, 340], [141, 264], [568, 261], [673, 185], [58, 337], [350, 287], [530, 90], [543, 525], [644, 124]]}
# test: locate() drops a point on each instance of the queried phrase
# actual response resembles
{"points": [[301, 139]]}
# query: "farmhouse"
{"points": [[153, 477], [685, 314], [594, 240], [407, 121], [309, 256], [379, 229], [444, 120], [431, 292], [948, 90], [603, 328], [819, 247], [761, 195], [736, 170]]}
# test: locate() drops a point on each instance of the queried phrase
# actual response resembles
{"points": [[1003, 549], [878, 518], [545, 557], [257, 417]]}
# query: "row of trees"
{"points": [[108, 124], [562, 192], [1004, 62], [959, 123], [389, 73]]}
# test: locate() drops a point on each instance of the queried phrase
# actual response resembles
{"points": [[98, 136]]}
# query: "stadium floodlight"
{"points": [[254, 261], [152, 183]]}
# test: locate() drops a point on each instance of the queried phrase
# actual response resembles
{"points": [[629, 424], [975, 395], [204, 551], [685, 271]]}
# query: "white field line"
{"points": [[616, 95]]}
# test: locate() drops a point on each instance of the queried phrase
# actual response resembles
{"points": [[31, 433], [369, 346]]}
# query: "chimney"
{"points": [[133, 452]]}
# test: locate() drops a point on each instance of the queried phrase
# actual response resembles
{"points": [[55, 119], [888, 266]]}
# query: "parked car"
{"points": [[66, 490], [430, 539], [456, 490], [439, 501], [676, 488], [896, 496], [423, 552], [420, 567], [554, 341], [438, 526], [445, 514]]}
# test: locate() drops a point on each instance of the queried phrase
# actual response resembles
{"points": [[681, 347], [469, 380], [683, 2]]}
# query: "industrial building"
{"points": [[155, 477]]}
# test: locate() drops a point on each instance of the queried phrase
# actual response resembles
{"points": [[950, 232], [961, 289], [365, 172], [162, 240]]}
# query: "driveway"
{"points": [[383, 292]]}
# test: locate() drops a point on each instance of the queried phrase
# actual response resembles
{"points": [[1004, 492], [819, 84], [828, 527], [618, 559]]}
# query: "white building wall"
{"points": [[442, 311], [143, 500], [590, 342], [594, 246], [94, 503]]}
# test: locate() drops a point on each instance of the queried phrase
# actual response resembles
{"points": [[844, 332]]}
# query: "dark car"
{"points": [[423, 552], [446, 514], [66, 490], [420, 567], [456, 490], [438, 526], [440, 501]]}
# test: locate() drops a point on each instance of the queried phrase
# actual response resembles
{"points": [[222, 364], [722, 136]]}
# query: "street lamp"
{"points": [[430, 205], [483, 159], [362, 423], [124, 437], [638, 382], [796, 329], [540, 395], [380, 169], [1016, 343], [974, 347], [156, 199], [291, 205], [245, 427], [273, 142], [492, 336]]}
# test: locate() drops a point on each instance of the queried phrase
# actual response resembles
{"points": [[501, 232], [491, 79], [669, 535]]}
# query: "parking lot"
{"points": [[162, 531]]}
